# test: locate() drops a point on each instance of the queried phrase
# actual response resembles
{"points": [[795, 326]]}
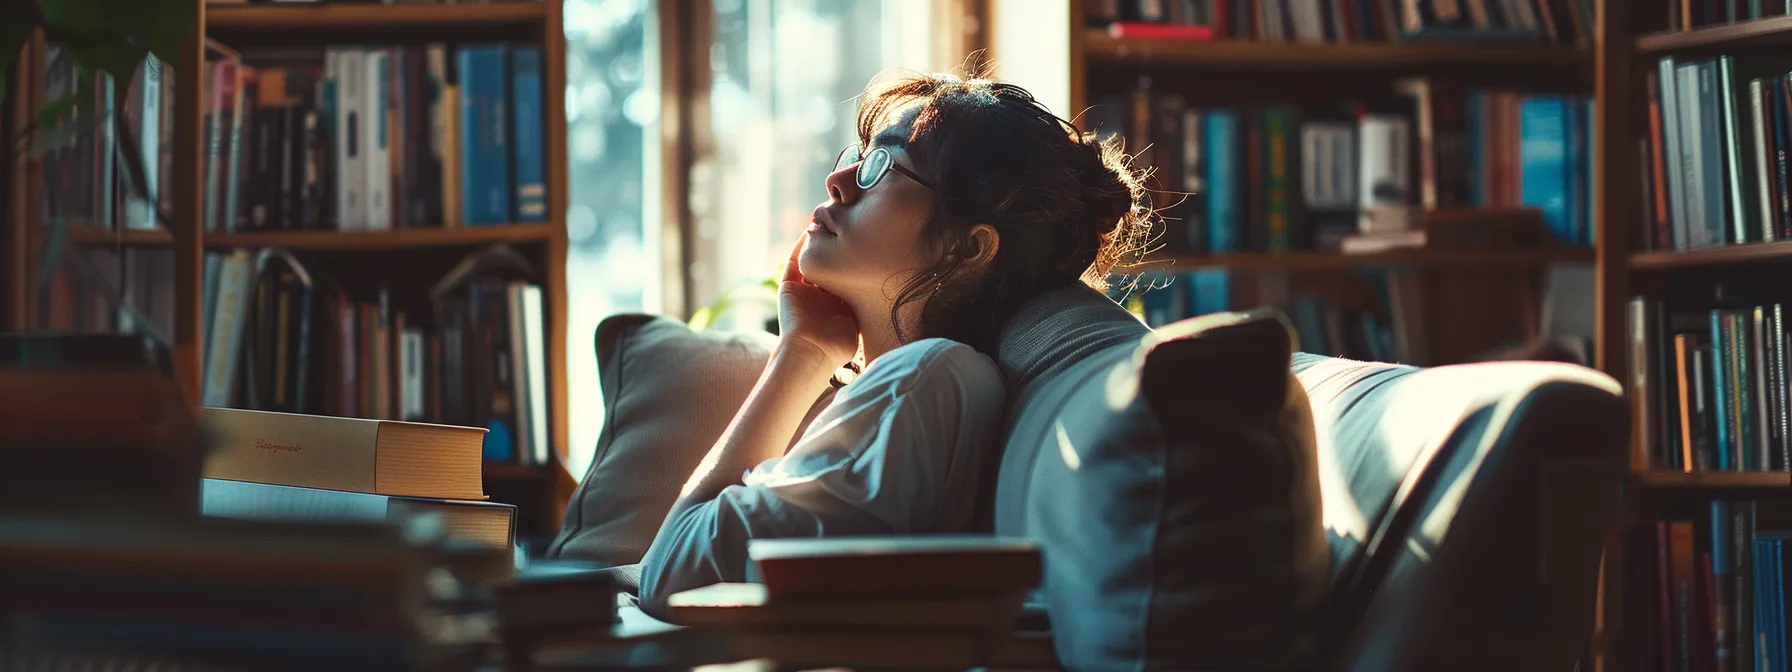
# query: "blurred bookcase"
{"points": [[242, 178]]}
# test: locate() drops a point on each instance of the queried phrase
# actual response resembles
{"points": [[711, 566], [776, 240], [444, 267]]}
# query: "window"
{"points": [[785, 76], [781, 87], [612, 112]]}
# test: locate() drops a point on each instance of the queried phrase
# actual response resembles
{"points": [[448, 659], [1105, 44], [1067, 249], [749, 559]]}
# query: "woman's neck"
{"points": [[877, 334]]}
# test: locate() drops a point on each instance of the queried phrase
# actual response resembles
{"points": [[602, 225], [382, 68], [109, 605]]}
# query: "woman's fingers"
{"points": [[791, 272]]}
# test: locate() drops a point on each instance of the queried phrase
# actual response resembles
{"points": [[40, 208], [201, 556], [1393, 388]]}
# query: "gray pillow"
{"points": [[1171, 480], [669, 393]]}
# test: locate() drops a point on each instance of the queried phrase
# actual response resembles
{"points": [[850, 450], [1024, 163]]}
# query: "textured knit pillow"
{"points": [[1170, 478], [669, 392]]}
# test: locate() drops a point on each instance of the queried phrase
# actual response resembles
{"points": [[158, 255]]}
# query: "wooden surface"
{"points": [[1614, 213], [1754, 253], [553, 41], [1298, 59], [189, 206], [1323, 261], [18, 245], [1715, 480], [380, 240], [86, 235], [1773, 32], [327, 15]]}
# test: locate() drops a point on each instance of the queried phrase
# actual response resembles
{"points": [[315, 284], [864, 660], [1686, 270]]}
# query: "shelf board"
{"points": [[1324, 261], [88, 236], [1715, 479], [1752, 253], [1321, 59], [514, 471], [343, 15], [382, 240], [1776, 31]]}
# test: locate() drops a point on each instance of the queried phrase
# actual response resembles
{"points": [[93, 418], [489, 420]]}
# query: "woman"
{"points": [[960, 201]]}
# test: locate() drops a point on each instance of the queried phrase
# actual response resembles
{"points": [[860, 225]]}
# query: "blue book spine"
{"points": [[1210, 292], [1763, 607], [1720, 376], [1543, 161], [529, 141], [484, 134], [1711, 155], [1723, 579], [1590, 168], [1222, 181]]}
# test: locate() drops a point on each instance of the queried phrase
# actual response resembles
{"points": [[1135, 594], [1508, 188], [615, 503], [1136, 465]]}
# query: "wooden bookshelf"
{"points": [[1322, 261], [466, 236], [1714, 480], [82, 235], [1753, 253], [543, 489], [1296, 59], [1770, 32], [407, 16]]}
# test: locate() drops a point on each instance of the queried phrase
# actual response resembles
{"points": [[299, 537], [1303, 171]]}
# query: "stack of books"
{"points": [[908, 601], [267, 466]]}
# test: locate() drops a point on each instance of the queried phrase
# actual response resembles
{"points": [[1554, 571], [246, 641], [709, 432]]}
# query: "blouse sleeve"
{"points": [[895, 453]]}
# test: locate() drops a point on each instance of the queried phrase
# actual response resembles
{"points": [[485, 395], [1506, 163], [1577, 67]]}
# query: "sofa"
{"points": [[1207, 498]]}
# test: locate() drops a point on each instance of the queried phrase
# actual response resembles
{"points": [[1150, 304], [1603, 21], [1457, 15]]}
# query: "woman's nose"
{"points": [[842, 188]]}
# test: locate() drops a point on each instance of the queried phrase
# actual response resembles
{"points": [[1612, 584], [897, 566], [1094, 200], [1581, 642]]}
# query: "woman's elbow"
{"points": [[684, 555]]}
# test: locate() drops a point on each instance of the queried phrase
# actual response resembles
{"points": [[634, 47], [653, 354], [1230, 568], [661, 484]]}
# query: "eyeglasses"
{"points": [[873, 166]]}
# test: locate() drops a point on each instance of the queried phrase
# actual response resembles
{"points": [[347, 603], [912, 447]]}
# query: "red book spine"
{"points": [[1161, 31]]}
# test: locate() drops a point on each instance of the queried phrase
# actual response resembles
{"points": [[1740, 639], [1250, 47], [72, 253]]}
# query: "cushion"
{"points": [[1170, 479], [669, 392]]}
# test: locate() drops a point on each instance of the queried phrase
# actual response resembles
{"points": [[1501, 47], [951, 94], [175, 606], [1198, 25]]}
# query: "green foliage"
{"points": [[765, 290], [109, 37]]}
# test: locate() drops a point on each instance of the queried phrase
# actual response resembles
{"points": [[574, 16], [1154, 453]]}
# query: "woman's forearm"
{"points": [[796, 375]]}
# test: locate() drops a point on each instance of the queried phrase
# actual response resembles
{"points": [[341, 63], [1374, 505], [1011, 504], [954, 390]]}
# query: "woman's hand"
{"points": [[809, 315]]}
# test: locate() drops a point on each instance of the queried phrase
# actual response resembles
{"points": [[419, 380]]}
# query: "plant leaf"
{"points": [[108, 20], [115, 59], [174, 20]]}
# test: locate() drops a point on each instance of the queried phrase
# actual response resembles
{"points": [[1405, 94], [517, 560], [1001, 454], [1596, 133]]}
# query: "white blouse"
{"points": [[897, 451]]}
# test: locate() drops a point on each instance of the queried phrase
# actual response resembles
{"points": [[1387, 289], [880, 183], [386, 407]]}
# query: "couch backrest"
{"points": [[1517, 465], [1170, 478]]}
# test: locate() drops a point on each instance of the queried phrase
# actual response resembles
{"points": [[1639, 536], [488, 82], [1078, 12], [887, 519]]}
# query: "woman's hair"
{"points": [[1068, 207]]}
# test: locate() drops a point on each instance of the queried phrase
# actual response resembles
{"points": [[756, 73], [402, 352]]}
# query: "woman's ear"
{"points": [[980, 246]]}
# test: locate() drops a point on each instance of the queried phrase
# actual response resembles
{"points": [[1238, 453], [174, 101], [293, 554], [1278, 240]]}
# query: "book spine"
{"points": [[376, 91], [1711, 152], [485, 179], [1278, 197], [227, 329], [1736, 169], [530, 135], [1544, 161], [1720, 350], [231, 179], [1222, 181], [142, 207], [1760, 95], [351, 164]]}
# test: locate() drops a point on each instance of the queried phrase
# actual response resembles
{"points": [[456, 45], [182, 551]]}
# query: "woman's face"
{"points": [[865, 243]]}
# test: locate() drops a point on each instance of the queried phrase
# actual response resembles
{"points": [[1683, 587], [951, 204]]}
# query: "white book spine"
{"points": [[535, 354], [351, 163], [376, 134]]}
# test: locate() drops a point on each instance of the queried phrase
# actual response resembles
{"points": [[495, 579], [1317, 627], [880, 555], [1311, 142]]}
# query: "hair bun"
{"points": [[1110, 188]]}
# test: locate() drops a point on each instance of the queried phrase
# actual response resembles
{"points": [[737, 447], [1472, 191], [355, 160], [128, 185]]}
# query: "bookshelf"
{"points": [[410, 256], [1666, 276], [1097, 67]]}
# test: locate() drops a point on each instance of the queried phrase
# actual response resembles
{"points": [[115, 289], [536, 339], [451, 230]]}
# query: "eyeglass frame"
{"points": [[863, 159]]}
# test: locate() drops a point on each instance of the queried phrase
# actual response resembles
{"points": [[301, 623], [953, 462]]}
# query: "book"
{"points": [[386, 457], [748, 605], [484, 523], [892, 565]]}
